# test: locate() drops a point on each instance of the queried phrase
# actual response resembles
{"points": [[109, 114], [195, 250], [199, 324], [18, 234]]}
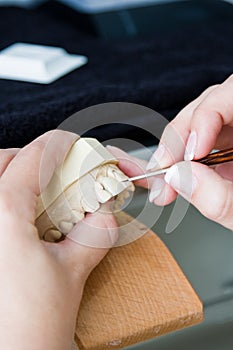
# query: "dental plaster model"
{"points": [[88, 177]]}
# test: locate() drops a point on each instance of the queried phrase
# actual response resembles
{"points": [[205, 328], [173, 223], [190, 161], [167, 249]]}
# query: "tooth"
{"points": [[103, 170], [120, 201], [119, 176], [130, 186], [110, 171], [98, 186], [77, 216], [125, 194], [112, 185], [89, 202], [52, 235], [90, 205], [102, 195], [100, 178], [95, 172], [65, 226], [72, 196]]}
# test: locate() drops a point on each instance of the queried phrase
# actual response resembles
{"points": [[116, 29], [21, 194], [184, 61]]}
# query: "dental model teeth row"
{"points": [[85, 195]]}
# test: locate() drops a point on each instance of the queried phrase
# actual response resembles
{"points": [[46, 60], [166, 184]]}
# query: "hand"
{"points": [[205, 124], [41, 282]]}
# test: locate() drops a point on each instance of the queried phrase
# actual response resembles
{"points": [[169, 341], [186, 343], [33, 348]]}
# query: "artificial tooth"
{"points": [[72, 196], [120, 201], [125, 194], [130, 187], [110, 171], [104, 196], [94, 173], [77, 216], [100, 178], [89, 202], [98, 186], [112, 185], [90, 205], [65, 226], [52, 235], [119, 176]]}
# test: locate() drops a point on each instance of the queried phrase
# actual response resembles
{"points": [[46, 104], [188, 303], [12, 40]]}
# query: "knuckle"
{"points": [[204, 114], [230, 78], [36, 146], [204, 111], [200, 110], [4, 154], [210, 89]]}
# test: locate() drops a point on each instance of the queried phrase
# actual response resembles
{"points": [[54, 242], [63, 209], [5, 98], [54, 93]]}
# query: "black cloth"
{"points": [[164, 71]]}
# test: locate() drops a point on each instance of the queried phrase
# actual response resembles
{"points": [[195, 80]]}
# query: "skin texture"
{"points": [[207, 123], [41, 282]]}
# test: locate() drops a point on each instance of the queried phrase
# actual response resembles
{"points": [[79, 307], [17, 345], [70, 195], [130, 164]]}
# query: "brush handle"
{"points": [[212, 159], [217, 157]]}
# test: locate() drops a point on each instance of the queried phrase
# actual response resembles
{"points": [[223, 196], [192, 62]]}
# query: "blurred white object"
{"points": [[95, 6], [37, 63]]}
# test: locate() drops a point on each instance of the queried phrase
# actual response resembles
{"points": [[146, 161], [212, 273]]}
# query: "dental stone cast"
{"points": [[88, 178]]}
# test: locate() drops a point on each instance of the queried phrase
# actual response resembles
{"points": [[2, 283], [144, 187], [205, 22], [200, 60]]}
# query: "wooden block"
{"points": [[136, 293]]}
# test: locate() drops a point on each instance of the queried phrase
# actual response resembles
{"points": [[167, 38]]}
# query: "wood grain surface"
{"points": [[136, 293]]}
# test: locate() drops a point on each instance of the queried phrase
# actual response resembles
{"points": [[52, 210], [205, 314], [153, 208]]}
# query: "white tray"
{"points": [[37, 63]]}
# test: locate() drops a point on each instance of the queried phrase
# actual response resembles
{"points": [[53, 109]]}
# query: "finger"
{"points": [[171, 149], [225, 138], [34, 165], [172, 145], [225, 170], [130, 165], [88, 242], [161, 193], [214, 112], [6, 156], [205, 189]]}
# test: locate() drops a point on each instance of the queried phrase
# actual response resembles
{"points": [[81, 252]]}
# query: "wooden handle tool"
{"points": [[212, 159]]}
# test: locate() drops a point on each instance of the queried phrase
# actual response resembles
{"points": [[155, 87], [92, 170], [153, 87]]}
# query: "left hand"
{"points": [[41, 282]]}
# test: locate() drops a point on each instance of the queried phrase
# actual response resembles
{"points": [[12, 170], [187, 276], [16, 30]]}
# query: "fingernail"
{"points": [[156, 189], [156, 157], [112, 147], [182, 179], [191, 146], [117, 152]]}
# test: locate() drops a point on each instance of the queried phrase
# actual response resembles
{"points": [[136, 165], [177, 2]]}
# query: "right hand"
{"points": [[203, 125]]}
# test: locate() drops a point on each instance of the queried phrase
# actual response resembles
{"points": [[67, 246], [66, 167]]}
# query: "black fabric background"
{"points": [[164, 71]]}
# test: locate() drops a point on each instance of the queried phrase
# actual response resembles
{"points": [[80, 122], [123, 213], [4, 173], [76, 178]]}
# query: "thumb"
{"points": [[205, 189], [89, 241]]}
